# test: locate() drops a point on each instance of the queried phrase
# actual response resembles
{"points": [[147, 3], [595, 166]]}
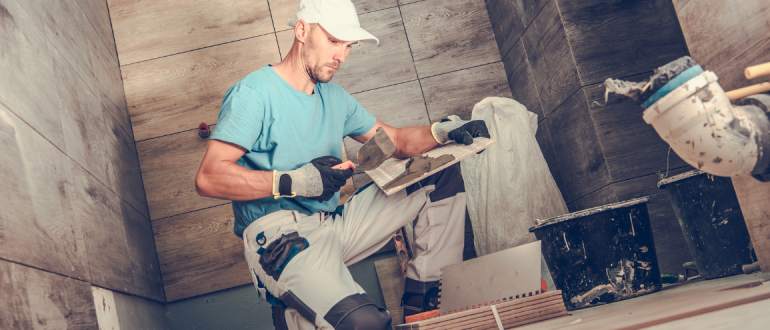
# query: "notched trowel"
{"points": [[375, 151]]}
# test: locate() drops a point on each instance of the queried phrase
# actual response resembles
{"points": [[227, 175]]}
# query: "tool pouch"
{"points": [[278, 254]]}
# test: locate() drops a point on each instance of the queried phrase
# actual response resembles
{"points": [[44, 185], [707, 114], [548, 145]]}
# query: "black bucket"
{"points": [[601, 255], [711, 221]]}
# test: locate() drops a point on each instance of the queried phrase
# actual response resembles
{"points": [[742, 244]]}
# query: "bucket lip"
{"points": [[678, 177], [587, 212]]}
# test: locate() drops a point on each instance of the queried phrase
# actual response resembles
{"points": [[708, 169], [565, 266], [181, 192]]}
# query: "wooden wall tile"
{"points": [[37, 224], [400, 105], [449, 35], [145, 269], [670, 245], [199, 253], [282, 11], [126, 179], [98, 14], [543, 137], [577, 148], [457, 92], [368, 6], [386, 64], [285, 41], [108, 83], [406, 2], [725, 37], [169, 165], [510, 18], [523, 87], [631, 147], [99, 212], [176, 93], [603, 196], [553, 67], [38, 299], [607, 41], [146, 30], [28, 85]]}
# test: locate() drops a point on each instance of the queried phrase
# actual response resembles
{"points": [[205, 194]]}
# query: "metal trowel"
{"points": [[375, 151]]}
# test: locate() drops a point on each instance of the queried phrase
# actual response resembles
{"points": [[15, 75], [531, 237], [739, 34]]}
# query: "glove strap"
{"points": [[432, 132], [276, 187]]}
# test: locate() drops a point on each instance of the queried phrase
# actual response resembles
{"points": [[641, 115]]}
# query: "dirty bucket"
{"points": [[712, 222], [601, 255]]}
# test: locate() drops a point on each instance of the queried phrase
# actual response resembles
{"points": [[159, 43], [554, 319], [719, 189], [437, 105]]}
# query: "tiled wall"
{"points": [[74, 213], [556, 54], [435, 58]]}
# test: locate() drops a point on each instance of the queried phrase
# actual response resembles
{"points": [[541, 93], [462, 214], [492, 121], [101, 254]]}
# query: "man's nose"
{"points": [[341, 55]]}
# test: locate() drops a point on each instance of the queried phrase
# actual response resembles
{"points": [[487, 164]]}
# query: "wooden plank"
{"points": [[100, 215], [37, 224], [521, 81], [603, 196], [392, 285], [282, 11], [457, 92], [28, 75], [449, 35], [285, 41], [169, 165], [577, 148], [726, 38], [543, 137], [198, 253], [606, 41], [176, 93], [748, 316], [399, 105], [142, 254], [510, 18], [108, 83], [753, 198], [388, 63], [122, 159], [146, 30], [39, 299], [98, 14], [670, 246], [553, 67]]}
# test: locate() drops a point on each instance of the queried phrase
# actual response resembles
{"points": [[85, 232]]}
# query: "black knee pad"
{"points": [[368, 317]]}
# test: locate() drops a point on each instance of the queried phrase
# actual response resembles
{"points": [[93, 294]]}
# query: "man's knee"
{"points": [[366, 317]]}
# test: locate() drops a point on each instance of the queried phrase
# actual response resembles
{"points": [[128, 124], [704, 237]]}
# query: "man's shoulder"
{"points": [[332, 88], [258, 80]]}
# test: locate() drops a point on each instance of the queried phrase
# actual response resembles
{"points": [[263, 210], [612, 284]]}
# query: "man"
{"points": [[278, 137]]}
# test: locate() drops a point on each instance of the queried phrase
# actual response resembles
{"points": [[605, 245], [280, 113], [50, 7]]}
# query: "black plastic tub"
{"points": [[601, 255], [712, 222]]}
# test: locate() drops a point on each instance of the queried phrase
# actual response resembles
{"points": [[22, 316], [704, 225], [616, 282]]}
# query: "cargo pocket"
{"points": [[277, 255]]}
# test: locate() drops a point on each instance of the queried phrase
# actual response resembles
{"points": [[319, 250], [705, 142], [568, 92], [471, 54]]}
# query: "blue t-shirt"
{"points": [[283, 129]]}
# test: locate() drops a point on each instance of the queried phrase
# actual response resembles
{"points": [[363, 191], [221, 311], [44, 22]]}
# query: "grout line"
{"points": [[470, 67], [384, 86], [569, 44], [411, 54], [169, 134], [532, 77], [187, 212], [593, 123], [45, 270]]}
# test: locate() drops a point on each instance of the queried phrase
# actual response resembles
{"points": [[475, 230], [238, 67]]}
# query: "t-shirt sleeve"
{"points": [[358, 120], [240, 119]]}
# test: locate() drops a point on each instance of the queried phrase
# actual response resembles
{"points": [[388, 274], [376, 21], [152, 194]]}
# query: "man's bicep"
{"points": [[222, 151], [388, 129]]}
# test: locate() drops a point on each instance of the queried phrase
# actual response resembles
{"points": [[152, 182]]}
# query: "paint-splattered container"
{"points": [[601, 255], [711, 221]]}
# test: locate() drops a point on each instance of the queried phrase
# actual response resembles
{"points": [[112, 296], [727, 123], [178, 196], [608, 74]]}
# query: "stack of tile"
{"points": [[504, 315]]}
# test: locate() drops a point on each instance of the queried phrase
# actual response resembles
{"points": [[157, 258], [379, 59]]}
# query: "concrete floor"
{"points": [[753, 315]]}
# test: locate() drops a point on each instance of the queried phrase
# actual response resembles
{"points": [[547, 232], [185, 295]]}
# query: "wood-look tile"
{"points": [[367, 6], [519, 73], [553, 67], [169, 165], [121, 156], [141, 251], [98, 14], [456, 93], [725, 37], [282, 11], [176, 93], [603, 196], [202, 241], [108, 83], [43, 300], [37, 224], [577, 148], [120, 115], [28, 85], [406, 2], [543, 137], [400, 105], [99, 212], [607, 41], [146, 30], [510, 18], [449, 35], [670, 245], [388, 63], [285, 41], [631, 147]]}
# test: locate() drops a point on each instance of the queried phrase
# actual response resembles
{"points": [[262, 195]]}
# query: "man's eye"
{"points": [[333, 41]]}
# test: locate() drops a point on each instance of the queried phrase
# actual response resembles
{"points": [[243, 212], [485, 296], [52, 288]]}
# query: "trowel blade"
{"points": [[375, 151]]}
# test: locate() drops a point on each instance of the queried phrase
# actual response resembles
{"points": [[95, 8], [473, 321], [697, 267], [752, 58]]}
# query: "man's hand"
{"points": [[316, 180], [455, 129]]}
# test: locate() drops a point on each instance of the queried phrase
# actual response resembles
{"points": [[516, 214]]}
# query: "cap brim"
{"points": [[350, 32]]}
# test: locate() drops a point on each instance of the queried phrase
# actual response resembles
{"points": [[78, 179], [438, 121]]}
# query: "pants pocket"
{"points": [[277, 255]]}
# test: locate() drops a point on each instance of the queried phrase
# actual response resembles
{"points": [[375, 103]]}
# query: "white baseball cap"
{"points": [[338, 17]]}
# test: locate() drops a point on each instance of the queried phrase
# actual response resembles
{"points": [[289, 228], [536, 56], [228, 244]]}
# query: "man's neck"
{"points": [[292, 70]]}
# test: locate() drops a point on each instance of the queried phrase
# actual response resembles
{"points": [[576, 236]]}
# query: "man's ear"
{"points": [[302, 30]]}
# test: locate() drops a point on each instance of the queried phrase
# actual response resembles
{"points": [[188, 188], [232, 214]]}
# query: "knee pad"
{"points": [[368, 317]]}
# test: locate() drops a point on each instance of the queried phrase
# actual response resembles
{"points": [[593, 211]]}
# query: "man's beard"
{"points": [[316, 73]]}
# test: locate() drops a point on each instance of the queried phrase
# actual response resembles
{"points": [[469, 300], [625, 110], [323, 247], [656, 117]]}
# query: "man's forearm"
{"points": [[226, 180], [413, 140]]}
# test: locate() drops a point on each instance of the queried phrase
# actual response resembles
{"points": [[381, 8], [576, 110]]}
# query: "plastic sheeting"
{"points": [[508, 186]]}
